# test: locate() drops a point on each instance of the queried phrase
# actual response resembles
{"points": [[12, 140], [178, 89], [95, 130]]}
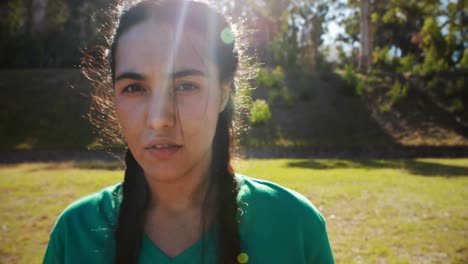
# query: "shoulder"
{"points": [[269, 197], [91, 210], [280, 224], [84, 230]]}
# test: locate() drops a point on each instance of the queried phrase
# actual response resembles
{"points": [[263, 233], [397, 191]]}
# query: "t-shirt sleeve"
{"points": [[316, 244], [323, 254], [54, 252]]}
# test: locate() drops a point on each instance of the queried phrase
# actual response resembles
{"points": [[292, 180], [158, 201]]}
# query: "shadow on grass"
{"points": [[83, 165], [99, 165], [417, 167]]}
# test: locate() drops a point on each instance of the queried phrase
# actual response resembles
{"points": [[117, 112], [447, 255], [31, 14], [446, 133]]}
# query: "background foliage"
{"points": [[418, 57]]}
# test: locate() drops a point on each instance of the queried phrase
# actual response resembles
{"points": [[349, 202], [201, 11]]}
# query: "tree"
{"points": [[50, 33], [313, 16], [365, 51], [400, 25], [298, 28]]}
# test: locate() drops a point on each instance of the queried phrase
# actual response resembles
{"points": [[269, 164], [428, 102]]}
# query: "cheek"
{"points": [[195, 105], [128, 116], [199, 115], [199, 133]]}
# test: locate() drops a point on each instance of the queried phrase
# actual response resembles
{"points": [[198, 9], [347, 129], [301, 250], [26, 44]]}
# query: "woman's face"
{"points": [[167, 99]]}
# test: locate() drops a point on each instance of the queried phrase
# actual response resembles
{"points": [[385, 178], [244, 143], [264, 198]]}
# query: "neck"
{"points": [[183, 194]]}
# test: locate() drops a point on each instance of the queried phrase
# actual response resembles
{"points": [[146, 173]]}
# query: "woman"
{"points": [[172, 69]]}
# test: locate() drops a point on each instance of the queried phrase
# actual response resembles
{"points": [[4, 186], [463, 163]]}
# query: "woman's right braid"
{"points": [[132, 213]]}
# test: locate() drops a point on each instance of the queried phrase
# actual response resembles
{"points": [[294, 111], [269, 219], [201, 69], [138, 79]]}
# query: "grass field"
{"points": [[377, 211]]}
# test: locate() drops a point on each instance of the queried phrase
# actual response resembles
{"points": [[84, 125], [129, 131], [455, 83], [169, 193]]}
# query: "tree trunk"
{"points": [[365, 51], [315, 35]]}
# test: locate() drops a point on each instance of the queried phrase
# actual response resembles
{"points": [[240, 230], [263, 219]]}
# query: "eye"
{"points": [[133, 88], [186, 87]]}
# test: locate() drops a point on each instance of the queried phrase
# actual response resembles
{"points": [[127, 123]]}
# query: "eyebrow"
{"points": [[186, 72], [174, 75], [130, 75]]}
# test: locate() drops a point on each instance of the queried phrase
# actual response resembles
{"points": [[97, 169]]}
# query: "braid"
{"points": [[131, 215], [229, 239]]}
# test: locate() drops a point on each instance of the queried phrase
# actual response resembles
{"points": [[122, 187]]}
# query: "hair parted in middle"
{"points": [[96, 65]]}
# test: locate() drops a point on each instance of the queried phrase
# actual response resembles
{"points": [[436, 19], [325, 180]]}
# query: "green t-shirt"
{"points": [[277, 225]]}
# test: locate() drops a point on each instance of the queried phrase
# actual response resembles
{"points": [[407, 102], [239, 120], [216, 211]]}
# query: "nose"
{"points": [[161, 112]]}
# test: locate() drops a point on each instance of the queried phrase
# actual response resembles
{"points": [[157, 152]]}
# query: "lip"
{"points": [[163, 153], [162, 141]]}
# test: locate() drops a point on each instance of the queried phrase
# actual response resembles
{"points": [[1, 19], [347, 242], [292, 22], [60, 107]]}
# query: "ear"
{"points": [[225, 94]]}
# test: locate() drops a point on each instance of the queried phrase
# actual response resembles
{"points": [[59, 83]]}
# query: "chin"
{"points": [[167, 174]]}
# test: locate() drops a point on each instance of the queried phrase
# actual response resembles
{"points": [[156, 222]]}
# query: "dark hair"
{"points": [[203, 19]]}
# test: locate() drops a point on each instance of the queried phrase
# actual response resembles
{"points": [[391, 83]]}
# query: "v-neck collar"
{"points": [[190, 255], [150, 253]]}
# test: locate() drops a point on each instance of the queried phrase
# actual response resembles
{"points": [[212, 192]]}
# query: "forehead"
{"points": [[159, 48]]}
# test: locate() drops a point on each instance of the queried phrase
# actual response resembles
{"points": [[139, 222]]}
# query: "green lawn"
{"points": [[377, 211]]}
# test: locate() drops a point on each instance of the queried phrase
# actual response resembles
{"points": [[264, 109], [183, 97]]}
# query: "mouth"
{"points": [[164, 146], [163, 149], [162, 143]]}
